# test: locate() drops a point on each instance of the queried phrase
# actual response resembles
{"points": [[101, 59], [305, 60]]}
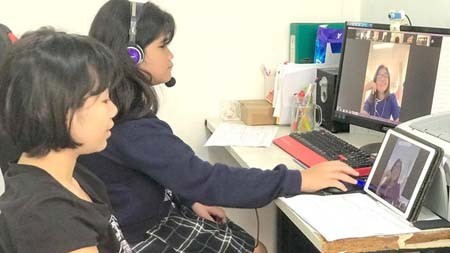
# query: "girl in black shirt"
{"points": [[55, 106]]}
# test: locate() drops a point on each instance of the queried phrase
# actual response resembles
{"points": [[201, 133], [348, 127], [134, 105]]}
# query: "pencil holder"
{"points": [[306, 118]]}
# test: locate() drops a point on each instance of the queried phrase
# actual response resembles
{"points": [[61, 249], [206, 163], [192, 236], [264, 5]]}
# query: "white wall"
{"points": [[66, 15], [421, 13], [218, 47]]}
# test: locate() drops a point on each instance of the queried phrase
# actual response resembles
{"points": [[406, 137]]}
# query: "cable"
{"points": [[257, 228], [409, 20]]}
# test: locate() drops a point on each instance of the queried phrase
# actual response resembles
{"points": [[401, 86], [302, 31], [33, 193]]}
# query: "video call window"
{"points": [[389, 77], [384, 78]]}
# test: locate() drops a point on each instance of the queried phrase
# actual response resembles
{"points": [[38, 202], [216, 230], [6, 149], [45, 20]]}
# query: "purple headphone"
{"points": [[134, 50]]}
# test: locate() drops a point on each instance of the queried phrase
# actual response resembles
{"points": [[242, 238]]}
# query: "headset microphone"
{"points": [[171, 82]]}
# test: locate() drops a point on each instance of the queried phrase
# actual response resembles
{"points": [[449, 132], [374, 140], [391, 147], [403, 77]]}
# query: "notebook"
{"points": [[391, 199]]}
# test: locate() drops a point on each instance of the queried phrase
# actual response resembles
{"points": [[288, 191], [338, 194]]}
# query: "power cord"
{"points": [[409, 20], [257, 228]]}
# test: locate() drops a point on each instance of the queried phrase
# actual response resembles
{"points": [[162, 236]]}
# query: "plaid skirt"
{"points": [[183, 231]]}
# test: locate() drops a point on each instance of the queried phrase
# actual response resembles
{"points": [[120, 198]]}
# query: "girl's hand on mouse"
{"points": [[327, 174]]}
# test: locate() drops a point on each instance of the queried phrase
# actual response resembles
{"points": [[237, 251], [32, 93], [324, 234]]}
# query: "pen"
{"points": [[360, 183]]}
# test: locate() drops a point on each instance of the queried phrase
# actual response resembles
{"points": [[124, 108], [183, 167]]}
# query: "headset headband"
{"points": [[134, 50], [136, 7], [135, 11]]}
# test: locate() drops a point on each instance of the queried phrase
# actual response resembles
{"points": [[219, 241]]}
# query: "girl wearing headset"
{"points": [[145, 162]]}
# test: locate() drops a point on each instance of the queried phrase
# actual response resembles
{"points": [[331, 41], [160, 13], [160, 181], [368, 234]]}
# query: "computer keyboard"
{"points": [[317, 146]]}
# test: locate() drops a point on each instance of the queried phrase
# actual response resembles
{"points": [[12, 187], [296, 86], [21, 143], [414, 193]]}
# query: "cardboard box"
{"points": [[256, 112]]}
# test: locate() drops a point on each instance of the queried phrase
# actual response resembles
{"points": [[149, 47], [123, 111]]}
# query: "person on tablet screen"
{"points": [[389, 188]]}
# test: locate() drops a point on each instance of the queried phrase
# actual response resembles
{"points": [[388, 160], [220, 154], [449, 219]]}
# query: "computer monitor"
{"points": [[388, 77]]}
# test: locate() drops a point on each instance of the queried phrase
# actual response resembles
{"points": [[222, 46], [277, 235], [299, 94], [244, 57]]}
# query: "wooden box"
{"points": [[256, 112]]}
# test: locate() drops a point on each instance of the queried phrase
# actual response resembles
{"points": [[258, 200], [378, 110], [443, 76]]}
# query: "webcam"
{"points": [[396, 15]]}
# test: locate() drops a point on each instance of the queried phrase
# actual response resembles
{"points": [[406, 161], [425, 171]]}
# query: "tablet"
{"points": [[402, 173]]}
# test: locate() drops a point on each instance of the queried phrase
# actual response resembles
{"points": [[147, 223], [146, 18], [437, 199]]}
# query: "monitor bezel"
{"points": [[367, 122]]}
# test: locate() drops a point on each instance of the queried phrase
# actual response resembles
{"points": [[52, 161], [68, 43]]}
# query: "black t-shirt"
{"points": [[40, 215]]}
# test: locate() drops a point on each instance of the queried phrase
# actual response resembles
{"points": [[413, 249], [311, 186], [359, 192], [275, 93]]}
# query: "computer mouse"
{"points": [[333, 190]]}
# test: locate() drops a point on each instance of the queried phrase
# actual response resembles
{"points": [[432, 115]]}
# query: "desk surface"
{"points": [[269, 157]]}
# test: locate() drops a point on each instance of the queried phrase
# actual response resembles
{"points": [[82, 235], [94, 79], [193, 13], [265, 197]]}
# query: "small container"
{"points": [[307, 117], [256, 112]]}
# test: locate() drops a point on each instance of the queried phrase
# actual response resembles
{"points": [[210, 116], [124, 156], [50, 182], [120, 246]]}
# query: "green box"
{"points": [[302, 38]]}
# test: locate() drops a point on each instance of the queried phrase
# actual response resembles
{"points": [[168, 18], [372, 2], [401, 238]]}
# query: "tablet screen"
{"points": [[399, 172]]}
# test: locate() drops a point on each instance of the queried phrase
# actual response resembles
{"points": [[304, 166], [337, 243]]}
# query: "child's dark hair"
{"points": [[134, 97], [46, 77]]}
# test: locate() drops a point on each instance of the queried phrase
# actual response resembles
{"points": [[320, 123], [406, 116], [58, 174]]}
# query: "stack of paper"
{"points": [[348, 216], [235, 134]]}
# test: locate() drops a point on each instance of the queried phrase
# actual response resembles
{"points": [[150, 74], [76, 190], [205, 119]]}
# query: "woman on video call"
{"points": [[381, 102], [389, 188]]}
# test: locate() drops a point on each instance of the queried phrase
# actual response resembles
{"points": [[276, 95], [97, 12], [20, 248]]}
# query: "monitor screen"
{"points": [[389, 77]]}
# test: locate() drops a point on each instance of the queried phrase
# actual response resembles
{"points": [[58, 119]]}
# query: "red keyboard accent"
{"points": [[364, 171], [306, 155], [299, 151]]}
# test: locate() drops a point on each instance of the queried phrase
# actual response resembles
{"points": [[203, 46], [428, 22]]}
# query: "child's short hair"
{"points": [[45, 77]]}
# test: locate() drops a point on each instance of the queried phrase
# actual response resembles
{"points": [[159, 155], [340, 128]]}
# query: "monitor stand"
{"points": [[371, 148], [372, 139]]}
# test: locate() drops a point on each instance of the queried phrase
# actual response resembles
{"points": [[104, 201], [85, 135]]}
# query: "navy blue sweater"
{"points": [[144, 157]]}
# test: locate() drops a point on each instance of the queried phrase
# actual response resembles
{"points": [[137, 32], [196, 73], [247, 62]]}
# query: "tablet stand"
{"points": [[438, 199]]}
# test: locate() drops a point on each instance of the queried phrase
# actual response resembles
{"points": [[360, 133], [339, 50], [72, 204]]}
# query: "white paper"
{"points": [[233, 134], [276, 92], [347, 216]]}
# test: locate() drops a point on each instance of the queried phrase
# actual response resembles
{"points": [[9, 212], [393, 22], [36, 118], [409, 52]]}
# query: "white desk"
{"points": [[270, 157]]}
